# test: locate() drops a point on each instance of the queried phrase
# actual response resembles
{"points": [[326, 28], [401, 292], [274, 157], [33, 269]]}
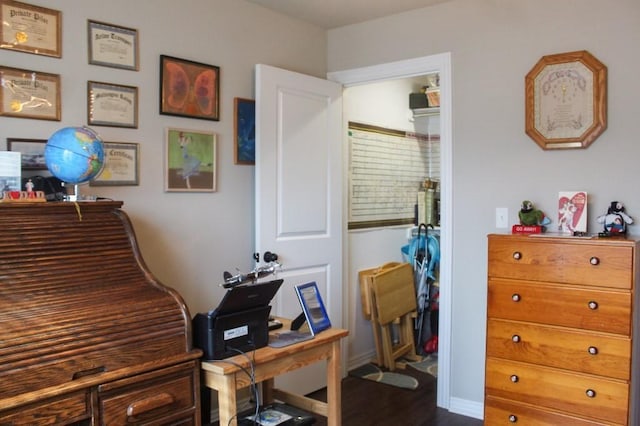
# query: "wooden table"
{"points": [[227, 376]]}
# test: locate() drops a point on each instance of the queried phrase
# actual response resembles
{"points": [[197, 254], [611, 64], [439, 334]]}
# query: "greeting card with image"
{"points": [[572, 211]]}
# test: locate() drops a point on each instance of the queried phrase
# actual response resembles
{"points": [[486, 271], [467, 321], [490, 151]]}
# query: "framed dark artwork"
{"points": [[113, 46], [31, 150], [245, 131], [190, 161], [31, 29], [566, 100], [189, 89]]}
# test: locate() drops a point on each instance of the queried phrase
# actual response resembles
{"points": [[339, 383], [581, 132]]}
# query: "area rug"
{"points": [[428, 364], [372, 372]]}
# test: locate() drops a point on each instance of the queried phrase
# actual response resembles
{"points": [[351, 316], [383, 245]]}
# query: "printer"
{"points": [[239, 324]]}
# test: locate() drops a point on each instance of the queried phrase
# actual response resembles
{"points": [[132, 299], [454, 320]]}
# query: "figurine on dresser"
{"points": [[616, 220]]}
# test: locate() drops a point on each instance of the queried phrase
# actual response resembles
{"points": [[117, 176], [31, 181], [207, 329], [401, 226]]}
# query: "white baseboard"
{"points": [[466, 407]]}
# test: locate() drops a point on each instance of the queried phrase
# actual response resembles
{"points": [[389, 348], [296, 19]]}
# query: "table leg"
{"points": [[227, 404], [334, 379], [267, 391]]}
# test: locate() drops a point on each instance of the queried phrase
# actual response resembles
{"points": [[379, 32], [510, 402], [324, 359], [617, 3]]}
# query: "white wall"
{"points": [[187, 239], [493, 44]]}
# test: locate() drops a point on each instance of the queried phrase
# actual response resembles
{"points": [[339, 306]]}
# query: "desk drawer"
{"points": [[499, 412], [600, 354], [65, 410], [542, 259], [568, 306], [582, 394], [161, 395]]}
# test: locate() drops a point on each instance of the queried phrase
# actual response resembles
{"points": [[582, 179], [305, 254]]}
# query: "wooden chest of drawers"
{"points": [[562, 339]]}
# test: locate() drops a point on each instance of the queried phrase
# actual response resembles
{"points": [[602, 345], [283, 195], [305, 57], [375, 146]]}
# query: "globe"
{"points": [[74, 154]]}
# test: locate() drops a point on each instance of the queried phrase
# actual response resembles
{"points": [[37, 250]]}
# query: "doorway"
{"points": [[440, 64]]}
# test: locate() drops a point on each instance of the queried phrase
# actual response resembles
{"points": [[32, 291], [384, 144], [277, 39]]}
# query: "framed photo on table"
{"points": [[113, 46], [112, 105], [189, 89], [121, 165], [29, 94], [313, 307], [31, 150], [31, 29], [566, 100]]}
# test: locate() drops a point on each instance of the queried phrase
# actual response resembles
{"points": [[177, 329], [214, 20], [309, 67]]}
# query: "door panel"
{"points": [[299, 192]]}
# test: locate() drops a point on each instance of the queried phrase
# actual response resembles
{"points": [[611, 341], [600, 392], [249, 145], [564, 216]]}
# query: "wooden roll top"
{"points": [[77, 302]]}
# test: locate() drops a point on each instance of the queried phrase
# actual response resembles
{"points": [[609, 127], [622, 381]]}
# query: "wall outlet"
{"points": [[502, 217]]}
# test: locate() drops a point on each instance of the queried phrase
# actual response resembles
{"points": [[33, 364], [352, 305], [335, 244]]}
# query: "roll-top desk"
{"points": [[87, 334], [562, 331]]}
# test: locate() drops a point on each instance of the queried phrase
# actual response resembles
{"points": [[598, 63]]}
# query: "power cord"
{"points": [[252, 377]]}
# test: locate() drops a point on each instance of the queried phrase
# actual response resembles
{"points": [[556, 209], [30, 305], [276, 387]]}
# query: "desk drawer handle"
{"points": [[593, 305], [593, 350], [514, 378], [515, 338], [591, 393], [517, 255], [515, 297], [90, 372], [594, 261], [152, 403], [513, 418]]}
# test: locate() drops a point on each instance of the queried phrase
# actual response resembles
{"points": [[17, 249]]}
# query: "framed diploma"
{"points": [[112, 105], [120, 165], [31, 29], [566, 100], [113, 46], [29, 94]]}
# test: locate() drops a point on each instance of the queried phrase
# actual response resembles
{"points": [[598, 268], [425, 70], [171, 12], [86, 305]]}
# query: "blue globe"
{"points": [[74, 154]]}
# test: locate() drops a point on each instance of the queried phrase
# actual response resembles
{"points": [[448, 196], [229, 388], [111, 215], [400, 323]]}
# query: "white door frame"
{"points": [[411, 68]]}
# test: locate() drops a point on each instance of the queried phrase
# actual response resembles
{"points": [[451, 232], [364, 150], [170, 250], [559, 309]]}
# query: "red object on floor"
{"points": [[431, 345]]}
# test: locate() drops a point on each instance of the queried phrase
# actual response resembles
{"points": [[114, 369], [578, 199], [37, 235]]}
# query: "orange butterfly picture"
{"points": [[189, 89]]}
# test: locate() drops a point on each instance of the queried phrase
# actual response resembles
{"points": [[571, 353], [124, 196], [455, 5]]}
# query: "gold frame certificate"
{"points": [[29, 94], [566, 100], [31, 29]]}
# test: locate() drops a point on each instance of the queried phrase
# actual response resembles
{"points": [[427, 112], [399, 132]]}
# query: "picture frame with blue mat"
{"points": [[245, 131]]}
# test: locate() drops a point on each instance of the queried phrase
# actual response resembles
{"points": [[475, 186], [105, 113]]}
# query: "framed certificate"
{"points": [[32, 29], [112, 105], [566, 100], [113, 46], [29, 94], [121, 165]]}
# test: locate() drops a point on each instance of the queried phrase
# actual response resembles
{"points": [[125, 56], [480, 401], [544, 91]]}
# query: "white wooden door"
{"points": [[299, 194]]}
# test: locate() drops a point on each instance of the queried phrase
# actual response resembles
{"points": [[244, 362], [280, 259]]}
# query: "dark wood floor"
{"points": [[366, 403]]}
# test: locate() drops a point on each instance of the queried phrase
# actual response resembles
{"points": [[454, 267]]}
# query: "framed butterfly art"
{"points": [[189, 89]]}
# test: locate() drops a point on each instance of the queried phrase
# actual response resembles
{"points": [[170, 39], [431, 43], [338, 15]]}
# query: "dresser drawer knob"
{"points": [[517, 255], [513, 418], [515, 297], [593, 350], [514, 378], [591, 393], [515, 338], [594, 261], [593, 305]]}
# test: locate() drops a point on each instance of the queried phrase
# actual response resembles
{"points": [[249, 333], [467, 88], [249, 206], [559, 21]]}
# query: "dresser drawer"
{"points": [[574, 393], [162, 395], [588, 352], [64, 410], [569, 306], [499, 412], [550, 260]]}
